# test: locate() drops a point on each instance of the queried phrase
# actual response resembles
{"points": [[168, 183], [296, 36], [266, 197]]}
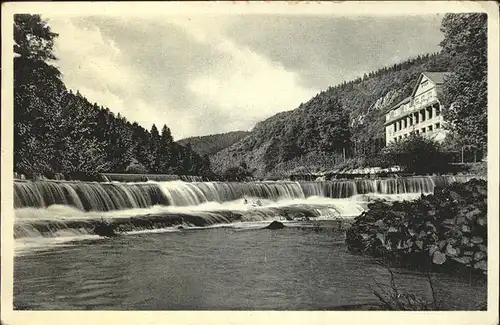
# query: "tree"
{"points": [[142, 146], [119, 147], [136, 167], [165, 150], [238, 173], [417, 154], [188, 160], [79, 150], [37, 91], [33, 38], [58, 131], [154, 146], [465, 91]]}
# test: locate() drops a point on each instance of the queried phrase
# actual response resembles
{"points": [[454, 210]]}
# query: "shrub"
{"points": [[444, 230], [238, 173], [417, 154]]}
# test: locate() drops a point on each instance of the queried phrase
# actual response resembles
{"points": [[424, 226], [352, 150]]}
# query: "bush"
{"points": [[237, 173], [446, 230], [417, 154]]}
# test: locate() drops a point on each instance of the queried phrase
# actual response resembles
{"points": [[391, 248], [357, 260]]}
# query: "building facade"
{"points": [[420, 113]]}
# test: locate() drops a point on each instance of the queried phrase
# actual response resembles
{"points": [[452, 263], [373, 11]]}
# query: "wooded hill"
{"points": [[346, 121], [210, 144]]}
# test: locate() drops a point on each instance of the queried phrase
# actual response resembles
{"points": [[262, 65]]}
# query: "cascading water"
{"points": [[59, 208], [121, 196]]}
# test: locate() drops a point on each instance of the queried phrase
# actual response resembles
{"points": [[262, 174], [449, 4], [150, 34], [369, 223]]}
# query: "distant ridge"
{"points": [[213, 143]]}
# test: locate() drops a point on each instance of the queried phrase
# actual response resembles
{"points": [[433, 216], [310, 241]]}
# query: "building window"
{"points": [[423, 130], [404, 123], [411, 121], [438, 110], [429, 110], [430, 128], [438, 126], [395, 127], [417, 132], [422, 115]]}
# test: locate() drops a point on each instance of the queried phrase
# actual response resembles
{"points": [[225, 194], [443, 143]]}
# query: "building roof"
{"points": [[436, 77], [404, 101]]}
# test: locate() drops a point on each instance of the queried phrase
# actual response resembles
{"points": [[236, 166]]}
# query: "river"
{"points": [[220, 259]]}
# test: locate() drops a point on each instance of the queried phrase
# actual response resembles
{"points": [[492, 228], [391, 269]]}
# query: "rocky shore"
{"points": [[445, 231]]}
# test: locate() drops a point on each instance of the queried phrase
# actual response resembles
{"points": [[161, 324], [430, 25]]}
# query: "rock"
{"points": [[104, 229], [275, 225]]}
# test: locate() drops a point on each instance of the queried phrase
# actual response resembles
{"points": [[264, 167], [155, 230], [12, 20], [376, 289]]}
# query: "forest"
{"points": [[212, 143], [346, 121], [57, 131]]}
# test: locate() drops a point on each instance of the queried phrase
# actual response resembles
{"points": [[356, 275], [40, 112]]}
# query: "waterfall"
{"points": [[95, 196], [69, 209], [87, 196]]}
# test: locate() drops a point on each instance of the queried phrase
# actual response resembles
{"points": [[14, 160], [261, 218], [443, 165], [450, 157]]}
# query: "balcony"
{"points": [[414, 105], [437, 132]]}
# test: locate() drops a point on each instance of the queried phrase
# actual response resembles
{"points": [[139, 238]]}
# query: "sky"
{"points": [[207, 74]]}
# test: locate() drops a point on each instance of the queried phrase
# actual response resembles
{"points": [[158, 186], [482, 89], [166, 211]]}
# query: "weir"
{"points": [[72, 209], [86, 196]]}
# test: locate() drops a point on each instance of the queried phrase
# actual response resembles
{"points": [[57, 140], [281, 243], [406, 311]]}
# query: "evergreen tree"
{"points": [[142, 146], [165, 150], [188, 162], [154, 142], [119, 148]]}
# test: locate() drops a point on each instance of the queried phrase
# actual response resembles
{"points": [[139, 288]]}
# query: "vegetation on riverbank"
{"points": [[442, 232], [445, 231]]}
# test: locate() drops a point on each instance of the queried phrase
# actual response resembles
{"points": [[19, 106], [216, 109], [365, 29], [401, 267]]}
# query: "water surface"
{"points": [[212, 269]]}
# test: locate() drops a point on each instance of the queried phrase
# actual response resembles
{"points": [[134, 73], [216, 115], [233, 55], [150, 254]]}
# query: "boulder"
{"points": [[104, 229], [275, 225]]}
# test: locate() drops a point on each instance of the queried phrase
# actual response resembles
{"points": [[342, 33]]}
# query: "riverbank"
{"points": [[445, 231]]}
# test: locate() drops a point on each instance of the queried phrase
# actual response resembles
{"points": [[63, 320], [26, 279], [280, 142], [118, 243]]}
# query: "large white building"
{"points": [[420, 113]]}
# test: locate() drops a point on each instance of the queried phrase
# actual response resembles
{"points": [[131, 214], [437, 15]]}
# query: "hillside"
{"points": [[210, 144], [346, 119]]}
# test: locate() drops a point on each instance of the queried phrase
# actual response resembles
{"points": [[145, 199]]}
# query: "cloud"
{"points": [[210, 74], [94, 65], [326, 50], [248, 87]]}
